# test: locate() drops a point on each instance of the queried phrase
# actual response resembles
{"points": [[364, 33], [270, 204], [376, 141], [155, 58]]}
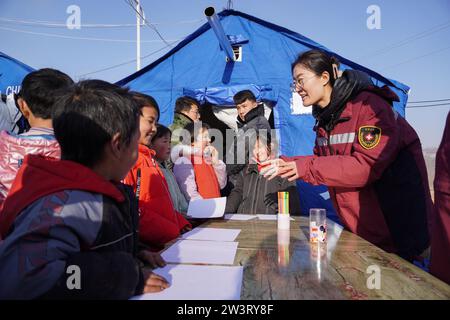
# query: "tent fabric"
{"points": [[223, 96], [12, 73], [198, 67]]}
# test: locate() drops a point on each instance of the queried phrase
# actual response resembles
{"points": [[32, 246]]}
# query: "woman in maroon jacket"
{"points": [[440, 239], [369, 157]]}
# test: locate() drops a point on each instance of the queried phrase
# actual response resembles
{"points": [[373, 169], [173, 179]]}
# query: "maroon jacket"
{"points": [[440, 239], [372, 163]]}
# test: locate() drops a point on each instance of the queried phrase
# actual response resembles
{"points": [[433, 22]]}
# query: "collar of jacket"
{"points": [[147, 152], [252, 168], [182, 117], [252, 114], [345, 88]]}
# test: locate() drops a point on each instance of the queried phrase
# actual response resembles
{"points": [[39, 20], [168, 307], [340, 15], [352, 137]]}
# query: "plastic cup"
{"points": [[317, 225]]}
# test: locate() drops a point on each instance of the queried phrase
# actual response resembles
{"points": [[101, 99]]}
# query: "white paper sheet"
{"points": [[197, 251], [212, 234], [207, 208], [269, 217], [238, 216], [191, 282]]}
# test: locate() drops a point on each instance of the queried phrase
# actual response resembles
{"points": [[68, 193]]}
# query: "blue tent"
{"points": [[197, 67], [12, 72]]}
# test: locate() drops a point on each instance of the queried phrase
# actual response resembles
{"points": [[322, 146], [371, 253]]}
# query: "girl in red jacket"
{"points": [[159, 222]]}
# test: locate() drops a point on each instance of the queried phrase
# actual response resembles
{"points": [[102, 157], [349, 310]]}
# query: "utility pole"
{"points": [[138, 35]]}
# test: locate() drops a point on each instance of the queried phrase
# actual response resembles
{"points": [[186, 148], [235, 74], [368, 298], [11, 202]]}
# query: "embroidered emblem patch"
{"points": [[369, 136]]}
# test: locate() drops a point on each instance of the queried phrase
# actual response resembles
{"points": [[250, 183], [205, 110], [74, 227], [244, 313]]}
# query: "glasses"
{"points": [[298, 84]]}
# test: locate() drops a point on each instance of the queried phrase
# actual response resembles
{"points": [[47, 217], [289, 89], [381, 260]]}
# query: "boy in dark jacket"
{"points": [[69, 226], [254, 194], [250, 122]]}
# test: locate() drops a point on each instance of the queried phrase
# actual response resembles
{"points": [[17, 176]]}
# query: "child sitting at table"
{"points": [[200, 175], [159, 222], [254, 194], [161, 145], [72, 217]]}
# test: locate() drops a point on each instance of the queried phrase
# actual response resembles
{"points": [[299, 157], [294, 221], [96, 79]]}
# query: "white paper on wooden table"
{"points": [[212, 234], [197, 251], [269, 217], [192, 282], [238, 216], [207, 208]]}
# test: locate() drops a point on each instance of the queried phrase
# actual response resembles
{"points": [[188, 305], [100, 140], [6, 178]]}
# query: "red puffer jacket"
{"points": [[373, 164], [159, 222], [14, 148]]}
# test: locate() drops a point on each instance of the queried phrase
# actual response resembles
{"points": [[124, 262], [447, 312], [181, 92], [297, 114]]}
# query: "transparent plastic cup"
{"points": [[317, 225]]}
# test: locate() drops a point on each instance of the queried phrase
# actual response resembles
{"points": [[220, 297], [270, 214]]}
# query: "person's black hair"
{"points": [[318, 62], [88, 115], [144, 100], [184, 104], [162, 131], [242, 96], [193, 128], [40, 89]]}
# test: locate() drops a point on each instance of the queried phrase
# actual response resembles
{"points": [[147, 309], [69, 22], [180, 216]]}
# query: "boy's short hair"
{"points": [[88, 115], [161, 131], [144, 100], [184, 104], [40, 89], [242, 96]]}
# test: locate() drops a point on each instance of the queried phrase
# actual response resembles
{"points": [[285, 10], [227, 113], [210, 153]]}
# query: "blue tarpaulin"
{"points": [[197, 67], [12, 72]]}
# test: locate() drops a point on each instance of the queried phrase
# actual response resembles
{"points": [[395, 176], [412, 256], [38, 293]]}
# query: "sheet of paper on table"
{"points": [[198, 251], [238, 216], [212, 234], [207, 208], [191, 282], [269, 217]]}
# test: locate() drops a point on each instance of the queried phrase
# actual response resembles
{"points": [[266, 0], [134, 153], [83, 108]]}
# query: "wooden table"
{"points": [[337, 270]]}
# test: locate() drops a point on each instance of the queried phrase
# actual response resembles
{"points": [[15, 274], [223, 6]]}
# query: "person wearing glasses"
{"points": [[369, 157], [186, 111]]}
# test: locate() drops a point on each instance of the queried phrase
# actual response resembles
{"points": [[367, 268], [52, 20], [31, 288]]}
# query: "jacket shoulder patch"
{"points": [[369, 136]]}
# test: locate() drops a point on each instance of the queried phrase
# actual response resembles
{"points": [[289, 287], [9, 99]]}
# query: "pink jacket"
{"points": [[13, 149]]}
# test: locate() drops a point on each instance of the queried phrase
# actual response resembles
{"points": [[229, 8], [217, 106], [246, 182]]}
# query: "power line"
{"points": [[53, 24], [54, 35], [408, 40], [148, 24], [427, 101], [125, 63], [429, 106], [415, 58]]}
